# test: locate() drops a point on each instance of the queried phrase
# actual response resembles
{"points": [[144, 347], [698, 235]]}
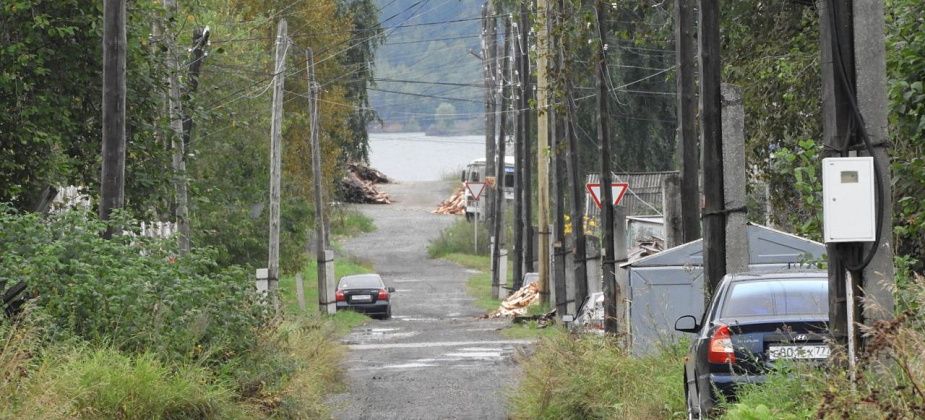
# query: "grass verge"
{"points": [[571, 377]]}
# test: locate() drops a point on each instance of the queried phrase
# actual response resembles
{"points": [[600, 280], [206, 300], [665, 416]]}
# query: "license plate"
{"points": [[799, 352], [361, 298]]}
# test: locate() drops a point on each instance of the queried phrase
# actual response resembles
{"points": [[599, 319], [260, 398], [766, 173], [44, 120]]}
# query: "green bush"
{"points": [[790, 392], [131, 293], [591, 377]]}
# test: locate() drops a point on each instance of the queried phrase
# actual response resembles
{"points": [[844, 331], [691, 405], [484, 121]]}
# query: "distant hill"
{"points": [[428, 41]]}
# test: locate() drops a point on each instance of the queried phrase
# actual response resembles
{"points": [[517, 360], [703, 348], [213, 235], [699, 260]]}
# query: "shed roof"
{"points": [[765, 246]]}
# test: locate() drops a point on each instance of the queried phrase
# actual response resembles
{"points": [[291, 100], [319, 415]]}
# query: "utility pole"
{"points": [[526, 132], [672, 209], [543, 151], [197, 56], [612, 294], [320, 228], [519, 138], [575, 181], [854, 105], [489, 64], [714, 215], [175, 109], [112, 178], [685, 22], [276, 163], [498, 276], [558, 183]]}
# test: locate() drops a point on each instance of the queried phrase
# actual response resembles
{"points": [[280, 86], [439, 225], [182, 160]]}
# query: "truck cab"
{"points": [[475, 172]]}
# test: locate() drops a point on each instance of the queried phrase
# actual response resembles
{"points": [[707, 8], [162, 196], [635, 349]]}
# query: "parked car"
{"points": [[364, 293], [590, 317], [753, 320]]}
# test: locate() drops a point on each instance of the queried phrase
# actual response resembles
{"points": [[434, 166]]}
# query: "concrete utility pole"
{"points": [[854, 96], [112, 178], [688, 143], [542, 150], [177, 144], [714, 214], [529, 256], [734, 179], [489, 65], [499, 276], [612, 293], [276, 162], [575, 182]]}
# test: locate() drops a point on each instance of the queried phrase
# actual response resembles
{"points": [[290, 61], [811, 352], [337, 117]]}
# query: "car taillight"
{"points": [[721, 351], [339, 296], [383, 294]]}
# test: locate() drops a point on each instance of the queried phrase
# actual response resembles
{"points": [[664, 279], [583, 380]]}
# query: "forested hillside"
{"points": [[427, 44]]}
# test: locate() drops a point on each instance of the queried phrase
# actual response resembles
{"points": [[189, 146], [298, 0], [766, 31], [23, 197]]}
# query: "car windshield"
{"points": [[778, 297], [360, 282]]}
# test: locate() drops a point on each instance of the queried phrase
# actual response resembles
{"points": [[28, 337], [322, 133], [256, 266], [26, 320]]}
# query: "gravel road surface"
{"points": [[434, 359]]}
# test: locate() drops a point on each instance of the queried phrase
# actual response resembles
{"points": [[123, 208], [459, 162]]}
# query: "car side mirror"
{"points": [[687, 324], [391, 290]]}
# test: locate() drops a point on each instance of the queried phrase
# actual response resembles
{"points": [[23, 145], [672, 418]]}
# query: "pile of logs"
{"points": [[516, 304], [456, 204], [359, 185]]}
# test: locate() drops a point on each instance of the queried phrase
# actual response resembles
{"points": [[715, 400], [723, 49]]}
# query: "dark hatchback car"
{"points": [[364, 293], [753, 321]]}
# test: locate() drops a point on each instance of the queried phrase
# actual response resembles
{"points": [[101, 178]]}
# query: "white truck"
{"points": [[475, 172]]}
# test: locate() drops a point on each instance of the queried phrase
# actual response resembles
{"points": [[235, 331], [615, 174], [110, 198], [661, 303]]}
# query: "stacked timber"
{"points": [[518, 303], [359, 185], [456, 204]]}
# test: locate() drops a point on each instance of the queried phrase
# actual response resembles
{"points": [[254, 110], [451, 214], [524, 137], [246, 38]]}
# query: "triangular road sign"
{"points": [[617, 189], [475, 188]]}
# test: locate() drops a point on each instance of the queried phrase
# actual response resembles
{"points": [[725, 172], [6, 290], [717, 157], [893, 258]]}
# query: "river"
{"points": [[417, 157]]}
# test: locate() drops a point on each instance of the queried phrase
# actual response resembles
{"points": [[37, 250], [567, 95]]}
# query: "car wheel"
{"points": [[693, 404], [388, 315]]}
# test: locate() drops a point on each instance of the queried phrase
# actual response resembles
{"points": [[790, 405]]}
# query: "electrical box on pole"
{"points": [[848, 193]]}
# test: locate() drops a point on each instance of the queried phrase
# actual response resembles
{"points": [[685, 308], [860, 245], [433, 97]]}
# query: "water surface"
{"points": [[417, 157]]}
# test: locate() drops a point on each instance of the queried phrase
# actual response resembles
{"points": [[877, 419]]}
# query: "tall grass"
{"points": [[459, 238], [585, 377]]}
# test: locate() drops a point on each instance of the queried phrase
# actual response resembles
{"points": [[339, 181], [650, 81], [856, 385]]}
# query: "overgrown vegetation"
{"points": [[123, 328], [459, 238], [580, 377]]}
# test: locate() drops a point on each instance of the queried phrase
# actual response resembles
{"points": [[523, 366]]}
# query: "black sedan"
{"points": [[364, 293], [754, 320]]}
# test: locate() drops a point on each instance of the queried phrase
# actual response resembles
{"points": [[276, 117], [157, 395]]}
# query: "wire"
{"points": [[862, 130]]}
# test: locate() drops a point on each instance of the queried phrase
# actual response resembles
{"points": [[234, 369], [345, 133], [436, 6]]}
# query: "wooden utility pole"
{"points": [[714, 215], [612, 294], [112, 178], [197, 56], [542, 150], [575, 181], [517, 118], [175, 109], [499, 277], [320, 228], [527, 141], [558, 184], [685, 23], [672, 209], [489, 64], [276, 162]]}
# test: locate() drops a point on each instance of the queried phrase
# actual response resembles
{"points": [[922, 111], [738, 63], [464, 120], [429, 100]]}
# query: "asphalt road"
{"points": [[434, 359]]}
